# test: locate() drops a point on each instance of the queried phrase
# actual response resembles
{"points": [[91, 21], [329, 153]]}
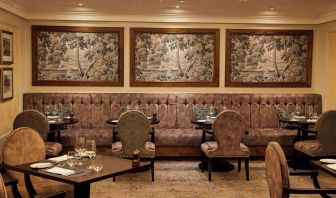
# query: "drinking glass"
{"points": [[298, 111], [80, 146], [97, 164], [71, 161], [310, 111], [90, 146], [47, 110]]}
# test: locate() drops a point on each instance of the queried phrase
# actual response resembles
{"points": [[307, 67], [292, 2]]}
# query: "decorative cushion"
{"points": [[209, 147], [309, 147], [53, 148]]}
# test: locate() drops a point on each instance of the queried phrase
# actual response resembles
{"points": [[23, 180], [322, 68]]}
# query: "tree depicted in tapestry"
{"points": [[170, 57], [76, 56], [269, 58]]}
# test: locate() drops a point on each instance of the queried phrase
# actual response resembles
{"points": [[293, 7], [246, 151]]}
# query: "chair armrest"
{"points": [[307, 173], [310, 191]]}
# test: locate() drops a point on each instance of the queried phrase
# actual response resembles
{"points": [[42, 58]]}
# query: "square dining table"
{"points": [[112, 166]]}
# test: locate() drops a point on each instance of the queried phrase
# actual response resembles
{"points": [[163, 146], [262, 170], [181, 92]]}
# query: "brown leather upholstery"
{"points": [[25, 145], [277, 175], [133, 129], [3, 192], [174, 110], [229, 129], [36, 120], [326, 135]]}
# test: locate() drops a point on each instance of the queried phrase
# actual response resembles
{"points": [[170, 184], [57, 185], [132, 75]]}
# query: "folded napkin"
{"points": [[61, 171], [311, 120], [332, 166], [59, 159], [51, 121]]}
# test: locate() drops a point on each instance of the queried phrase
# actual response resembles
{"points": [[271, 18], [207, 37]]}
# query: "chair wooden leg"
{"points": [[15, 191], [239, 164], [209, 167], [247, 169], [152, 169], [202, 161], [113, 179]]}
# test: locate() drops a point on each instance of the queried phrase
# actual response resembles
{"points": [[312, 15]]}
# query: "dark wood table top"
{"points": [[112, 166], [152, 121], [301, 121], [63, 122], [324, 167], [202, 122]]}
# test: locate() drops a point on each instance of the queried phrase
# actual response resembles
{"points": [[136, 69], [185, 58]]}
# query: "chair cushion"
{"points": [[150, 146], [117, 146], [262, 136], [208, 147], [53, 148], [309, 147]]}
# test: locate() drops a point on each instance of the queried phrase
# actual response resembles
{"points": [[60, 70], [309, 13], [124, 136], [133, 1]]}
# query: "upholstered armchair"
{"points": [[25, 145], [3, 192], [229, 129], [326, 134], [36, 120], [133, 130], [277, 175]]}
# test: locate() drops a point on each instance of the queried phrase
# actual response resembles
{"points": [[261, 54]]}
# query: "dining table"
{"points": [[56, 126], [302, 125], [112, 166], [114, 122]]}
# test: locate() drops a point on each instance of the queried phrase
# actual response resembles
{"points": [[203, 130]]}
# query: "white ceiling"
{"points": [[211, 11]]}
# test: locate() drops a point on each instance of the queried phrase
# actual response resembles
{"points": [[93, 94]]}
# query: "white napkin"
{"points": [[311, 120], [61, 171], [59, 159], [51, 121], [332, 166]]}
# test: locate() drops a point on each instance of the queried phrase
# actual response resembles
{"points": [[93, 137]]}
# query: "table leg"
{"points": [[152, 133], [203, 136], [317, 186], [29, 186], [304, 132], [114, 134], [82, 191]]}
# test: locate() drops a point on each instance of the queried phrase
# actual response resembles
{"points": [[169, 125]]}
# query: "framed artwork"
{"points": [[77, 56], [268, 58], [164, 57], [6, 47], [7, 84]]}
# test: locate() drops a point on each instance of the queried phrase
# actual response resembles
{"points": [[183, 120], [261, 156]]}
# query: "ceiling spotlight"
{"points": [[181, 1], [177, 6], [242, 0], [80, 4], [271, 8]]}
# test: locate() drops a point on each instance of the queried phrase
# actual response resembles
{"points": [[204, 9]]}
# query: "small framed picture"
{"points": [[6, 47], [7, 84]]}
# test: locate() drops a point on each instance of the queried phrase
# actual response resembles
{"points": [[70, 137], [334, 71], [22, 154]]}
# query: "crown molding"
{"points": [[20, 11]]}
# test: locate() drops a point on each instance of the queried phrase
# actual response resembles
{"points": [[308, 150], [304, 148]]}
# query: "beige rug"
{"points": [[183, 179]]}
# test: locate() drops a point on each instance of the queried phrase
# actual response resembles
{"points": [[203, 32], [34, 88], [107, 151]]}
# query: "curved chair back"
{"points": [[229, 129], [326, 132], [23, 145], [32, 119], [133, 130], [3, 192], [277, 175]]}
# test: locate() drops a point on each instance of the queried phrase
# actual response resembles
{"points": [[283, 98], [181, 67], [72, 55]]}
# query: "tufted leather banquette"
{"points": [[175, 135]]}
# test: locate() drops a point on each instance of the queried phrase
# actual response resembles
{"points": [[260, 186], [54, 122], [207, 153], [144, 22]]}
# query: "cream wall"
{"points": [[9, 109], [127, 88]]}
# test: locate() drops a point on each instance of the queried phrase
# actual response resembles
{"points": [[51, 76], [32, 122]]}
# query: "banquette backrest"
{"points": [[173, 109]]}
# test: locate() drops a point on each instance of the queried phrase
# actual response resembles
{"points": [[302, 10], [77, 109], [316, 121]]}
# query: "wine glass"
{"points": [[71, 161], [310, 111], [298, 111], [90, 146], [47, 110], [97, 164], [80, 146]]}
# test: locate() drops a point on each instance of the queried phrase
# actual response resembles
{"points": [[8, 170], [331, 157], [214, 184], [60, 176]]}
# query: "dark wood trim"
{"points": [[134, 83], [12, 50], [230, 32], [37, 28]]}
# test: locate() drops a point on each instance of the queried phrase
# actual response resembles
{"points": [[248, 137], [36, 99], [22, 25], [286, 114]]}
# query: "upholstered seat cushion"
{"points": [[117, 146], [208, 147], [309, 147], [191, 137], [167, 137], [53, 148], [262, 136]]}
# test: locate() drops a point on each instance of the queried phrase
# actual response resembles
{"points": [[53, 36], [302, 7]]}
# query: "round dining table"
{"points": [[114, 121], [302, 126], [57, 126]]}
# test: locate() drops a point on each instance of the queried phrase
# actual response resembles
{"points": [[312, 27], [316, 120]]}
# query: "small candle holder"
{"points": [[136, 159], [154, 116]]}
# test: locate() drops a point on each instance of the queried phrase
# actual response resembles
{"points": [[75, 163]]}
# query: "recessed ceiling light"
{"points": [[80, 4], [181, 1], [271, 8], [242, 0], [177, 6]]}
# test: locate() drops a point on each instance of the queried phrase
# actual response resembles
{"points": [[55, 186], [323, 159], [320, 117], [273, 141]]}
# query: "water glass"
{"points": [[97, 164], [80, 146], [310, 111], [90, 147], [71, 161]]}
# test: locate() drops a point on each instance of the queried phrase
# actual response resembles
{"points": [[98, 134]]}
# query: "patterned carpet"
{"points": [[183, 179]]}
